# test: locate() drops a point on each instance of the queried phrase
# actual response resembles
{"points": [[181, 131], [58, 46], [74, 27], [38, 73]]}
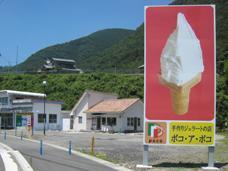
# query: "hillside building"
{"points": [[104, 112], [59, 64]]}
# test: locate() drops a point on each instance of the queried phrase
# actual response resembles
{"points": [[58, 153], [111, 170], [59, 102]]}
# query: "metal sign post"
{"points": [[145, 158], [211, 156]]}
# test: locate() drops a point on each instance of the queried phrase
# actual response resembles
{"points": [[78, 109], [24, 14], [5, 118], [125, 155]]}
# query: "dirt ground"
{"points": [[126, 150]]}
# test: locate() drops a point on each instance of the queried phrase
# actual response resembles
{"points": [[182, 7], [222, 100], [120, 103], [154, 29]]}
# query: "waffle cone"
{"points": [[180, 94], [180, 100]]}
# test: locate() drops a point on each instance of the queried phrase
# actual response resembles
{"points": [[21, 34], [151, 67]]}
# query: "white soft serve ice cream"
{"points": [[181, 59]]}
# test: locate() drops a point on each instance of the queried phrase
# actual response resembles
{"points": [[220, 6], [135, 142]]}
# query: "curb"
{"points": [[23, 164], [8, 162], [103, 162], [20, 162]]}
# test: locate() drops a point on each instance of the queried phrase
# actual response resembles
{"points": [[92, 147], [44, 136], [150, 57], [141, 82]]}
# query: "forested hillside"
{"points": [[125, 56], [69, 87], [80, 49]]}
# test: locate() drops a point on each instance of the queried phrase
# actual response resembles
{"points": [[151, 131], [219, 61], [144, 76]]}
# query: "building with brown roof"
{"points": [[104, 112]]}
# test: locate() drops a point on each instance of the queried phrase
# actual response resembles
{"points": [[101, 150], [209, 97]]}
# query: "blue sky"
{"points": [[32, 25]]}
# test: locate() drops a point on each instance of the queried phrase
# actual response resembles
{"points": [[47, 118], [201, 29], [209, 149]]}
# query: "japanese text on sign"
{"points": [[191, 133]]}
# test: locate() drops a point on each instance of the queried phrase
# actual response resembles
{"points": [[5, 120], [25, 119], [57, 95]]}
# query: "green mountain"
{"points": [[122, 50], [79, 49], [125, 56]]}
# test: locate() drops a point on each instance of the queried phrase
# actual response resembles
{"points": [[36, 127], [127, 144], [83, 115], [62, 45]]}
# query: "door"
{"points": [[71, 122], [135, 124], [98, 123], [66, 124]]}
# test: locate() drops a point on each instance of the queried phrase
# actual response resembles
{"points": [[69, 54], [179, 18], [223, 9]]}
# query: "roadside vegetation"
{"points": [[70, 87]]}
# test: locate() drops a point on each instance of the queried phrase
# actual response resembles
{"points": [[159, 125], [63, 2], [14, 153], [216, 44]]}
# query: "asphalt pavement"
{"points": [[52, 158]]}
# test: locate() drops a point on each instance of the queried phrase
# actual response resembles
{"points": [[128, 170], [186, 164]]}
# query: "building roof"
{"points": [[84, 95], [112, 106], [49, 66], [23, 93], [63, 60]]}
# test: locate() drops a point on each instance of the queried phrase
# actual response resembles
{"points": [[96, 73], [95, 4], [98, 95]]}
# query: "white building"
{"points": [[26, 109], [104, 112], [65, 115]]}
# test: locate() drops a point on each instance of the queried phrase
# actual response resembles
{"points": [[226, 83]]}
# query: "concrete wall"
{"points": [[38, 107]]}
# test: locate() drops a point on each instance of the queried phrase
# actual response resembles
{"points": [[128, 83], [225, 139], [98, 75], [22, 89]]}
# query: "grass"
{"points": [[221, 150], [100, 155]]}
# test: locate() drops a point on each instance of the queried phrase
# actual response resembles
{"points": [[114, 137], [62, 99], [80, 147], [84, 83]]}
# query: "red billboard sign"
{"points": [[179, 67]]}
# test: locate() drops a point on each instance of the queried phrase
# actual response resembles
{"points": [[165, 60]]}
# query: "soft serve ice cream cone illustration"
{"points": [[181, 64]]}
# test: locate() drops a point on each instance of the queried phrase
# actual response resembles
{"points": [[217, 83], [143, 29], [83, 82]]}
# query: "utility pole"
{"points": [[44, 118], [17, 58]]}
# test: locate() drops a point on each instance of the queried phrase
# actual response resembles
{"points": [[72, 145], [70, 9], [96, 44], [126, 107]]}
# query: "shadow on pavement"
{"points": [[187, 165]]}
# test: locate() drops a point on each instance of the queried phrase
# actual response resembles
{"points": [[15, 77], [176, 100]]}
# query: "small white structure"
{"points": [[52, 114], [104, 112], [65, 115], [26, 109]]}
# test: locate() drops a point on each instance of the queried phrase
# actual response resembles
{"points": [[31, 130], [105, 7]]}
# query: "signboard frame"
{"points": [[145, 86]]}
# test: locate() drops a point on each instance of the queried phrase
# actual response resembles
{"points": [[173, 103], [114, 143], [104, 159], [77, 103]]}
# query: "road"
{"points": [[52, 159]]}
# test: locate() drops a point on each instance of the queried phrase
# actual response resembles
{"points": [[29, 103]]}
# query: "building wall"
{"points": [[3, 95], [91, 98], [38, 107], [135, 110], [79, 112]]}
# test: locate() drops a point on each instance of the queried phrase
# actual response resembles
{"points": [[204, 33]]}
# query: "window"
{"points": [[4, 100], [41, 118], [132, 121], [139, 122], [80, 119], [111, 121], [52, 118], [103, 121], [128, 121]]}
